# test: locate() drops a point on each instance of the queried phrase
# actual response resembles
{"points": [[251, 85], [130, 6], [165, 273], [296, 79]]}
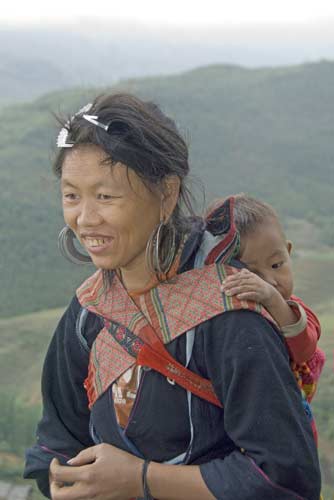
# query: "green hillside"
{"points": [[268, 132]]}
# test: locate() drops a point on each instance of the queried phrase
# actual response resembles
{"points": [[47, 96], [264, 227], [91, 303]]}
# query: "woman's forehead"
{"points": [[85, 157], [86, 168], [90, 165]]}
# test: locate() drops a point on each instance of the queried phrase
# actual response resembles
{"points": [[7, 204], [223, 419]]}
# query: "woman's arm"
{"points": [[64, 428]]}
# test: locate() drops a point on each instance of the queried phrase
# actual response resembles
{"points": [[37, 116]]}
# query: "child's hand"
{"points": [[249, 286]]}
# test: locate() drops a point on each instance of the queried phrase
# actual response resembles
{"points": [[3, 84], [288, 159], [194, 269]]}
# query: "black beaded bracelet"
{"points": [[146, 490]]}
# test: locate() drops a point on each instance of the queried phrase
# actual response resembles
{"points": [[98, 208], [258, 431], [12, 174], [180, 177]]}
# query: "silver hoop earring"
{"points": [[161, 248], [67, 248]]}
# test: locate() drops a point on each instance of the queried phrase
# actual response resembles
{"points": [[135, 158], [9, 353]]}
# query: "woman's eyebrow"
{"points": [[65, 182]]}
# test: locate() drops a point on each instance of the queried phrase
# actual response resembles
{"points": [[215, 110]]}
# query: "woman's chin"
{"points": [[104, 263]]}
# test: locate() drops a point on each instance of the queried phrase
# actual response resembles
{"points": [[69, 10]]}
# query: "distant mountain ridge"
{"points": [[268, 132], [44, 57]]}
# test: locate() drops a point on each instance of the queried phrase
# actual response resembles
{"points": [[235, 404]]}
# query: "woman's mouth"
{"points": [[97, 245]]}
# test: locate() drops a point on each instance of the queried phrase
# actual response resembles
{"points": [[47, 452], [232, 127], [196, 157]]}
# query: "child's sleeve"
{"points": [[302, 336]]}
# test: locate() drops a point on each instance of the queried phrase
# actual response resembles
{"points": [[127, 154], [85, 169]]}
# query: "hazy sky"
{"points": [[180, 12]]}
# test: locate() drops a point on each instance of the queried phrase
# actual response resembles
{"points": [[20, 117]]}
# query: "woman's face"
{"points": [[109, 209]]}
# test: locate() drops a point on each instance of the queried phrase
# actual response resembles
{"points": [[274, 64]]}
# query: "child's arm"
{"points": [[298, 323], [302, 337]]}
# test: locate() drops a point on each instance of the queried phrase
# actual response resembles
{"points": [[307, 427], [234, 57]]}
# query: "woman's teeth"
{"points": [[94, 242]]}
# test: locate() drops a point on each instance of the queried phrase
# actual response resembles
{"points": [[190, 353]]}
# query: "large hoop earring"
{"points": [[161, 248], [67, 248]]}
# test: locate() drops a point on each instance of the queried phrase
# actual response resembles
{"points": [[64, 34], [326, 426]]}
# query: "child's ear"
{"points": [[289, 246]]}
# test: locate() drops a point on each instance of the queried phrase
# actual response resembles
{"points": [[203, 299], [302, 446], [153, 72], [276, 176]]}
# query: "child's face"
{"points": [[267, 254]]}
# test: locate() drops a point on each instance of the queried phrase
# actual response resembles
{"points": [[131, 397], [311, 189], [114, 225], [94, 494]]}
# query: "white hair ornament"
{"points": [[63, 134]]}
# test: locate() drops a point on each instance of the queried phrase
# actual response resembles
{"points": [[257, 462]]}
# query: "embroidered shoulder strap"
{"points": [[153, 354], [165, 312]]}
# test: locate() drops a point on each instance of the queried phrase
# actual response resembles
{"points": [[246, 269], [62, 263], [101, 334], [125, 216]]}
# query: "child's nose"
{"points": [[269, 278]]}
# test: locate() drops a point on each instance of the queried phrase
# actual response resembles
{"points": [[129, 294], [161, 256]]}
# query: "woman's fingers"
{"points": [[86, 456], [52, 479], [77, 491], [70, 482], [61, 474]]}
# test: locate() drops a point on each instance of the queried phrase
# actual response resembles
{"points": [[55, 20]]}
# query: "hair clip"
{"points": [[63, 134], [94, 120], [62, 138]]}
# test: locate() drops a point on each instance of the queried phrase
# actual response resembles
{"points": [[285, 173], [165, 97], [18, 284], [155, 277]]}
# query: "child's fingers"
{"points": [[244, 274], [248, 296], [245, 288], [241, 282]]}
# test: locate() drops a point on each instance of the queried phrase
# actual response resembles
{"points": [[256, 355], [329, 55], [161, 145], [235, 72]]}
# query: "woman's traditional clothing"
{"points": [[258, 445]]}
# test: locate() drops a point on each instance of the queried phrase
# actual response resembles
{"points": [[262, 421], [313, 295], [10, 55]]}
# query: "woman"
{"points": [[113, 427]]}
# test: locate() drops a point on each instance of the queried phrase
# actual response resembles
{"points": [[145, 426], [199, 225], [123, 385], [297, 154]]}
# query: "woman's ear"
{"points": [[170, 195], [289, 246]]}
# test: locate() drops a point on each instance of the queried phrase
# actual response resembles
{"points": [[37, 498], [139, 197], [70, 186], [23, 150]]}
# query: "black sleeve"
{"points": [[263, 415], [64, 428]]}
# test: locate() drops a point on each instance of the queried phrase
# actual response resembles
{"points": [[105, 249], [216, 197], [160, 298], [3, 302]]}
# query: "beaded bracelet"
{"points": [[146, 490]]}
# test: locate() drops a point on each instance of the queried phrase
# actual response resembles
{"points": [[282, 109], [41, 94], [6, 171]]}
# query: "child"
{"points": [[268, 279]]}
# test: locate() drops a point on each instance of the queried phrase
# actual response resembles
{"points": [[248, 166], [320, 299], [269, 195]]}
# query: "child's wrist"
{"points": [[273, 299], [280, 310], [295, 328]]}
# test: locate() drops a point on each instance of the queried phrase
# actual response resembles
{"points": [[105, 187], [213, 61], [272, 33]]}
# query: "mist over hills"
{"points": [[268, 132], [37, 59]]}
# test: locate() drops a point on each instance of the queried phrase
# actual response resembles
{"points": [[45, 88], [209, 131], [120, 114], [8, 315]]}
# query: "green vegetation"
{"points": [[264, 131]]}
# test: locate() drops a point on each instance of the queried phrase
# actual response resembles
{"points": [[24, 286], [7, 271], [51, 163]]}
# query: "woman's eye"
{"points": [[102, 196], [277, 265], [69, 196]]}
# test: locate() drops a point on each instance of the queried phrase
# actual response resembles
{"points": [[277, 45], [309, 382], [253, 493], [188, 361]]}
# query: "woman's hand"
{"points": [[100, 472], [249, 286]]}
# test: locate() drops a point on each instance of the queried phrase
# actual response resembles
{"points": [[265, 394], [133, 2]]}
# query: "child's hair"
{"points": [[249, 213]]}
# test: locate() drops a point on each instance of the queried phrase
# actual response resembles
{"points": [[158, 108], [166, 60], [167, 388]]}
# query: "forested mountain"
{"points": [[268, 132]]}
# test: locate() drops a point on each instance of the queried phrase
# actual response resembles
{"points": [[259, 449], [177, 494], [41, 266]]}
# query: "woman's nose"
{"points": [[89, 215]]}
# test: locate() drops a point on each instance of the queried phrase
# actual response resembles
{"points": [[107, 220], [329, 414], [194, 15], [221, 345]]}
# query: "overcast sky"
{"points": [[171, 12]]}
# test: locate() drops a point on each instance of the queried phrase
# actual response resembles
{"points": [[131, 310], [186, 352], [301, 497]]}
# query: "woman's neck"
{"points": [[135, 277]]}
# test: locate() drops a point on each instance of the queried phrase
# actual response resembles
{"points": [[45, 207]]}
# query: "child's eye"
{"points": [[277, 265]]}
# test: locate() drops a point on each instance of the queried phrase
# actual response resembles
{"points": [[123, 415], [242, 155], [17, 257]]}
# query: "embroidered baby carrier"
{"points": [[132, 335], [137, 335]]}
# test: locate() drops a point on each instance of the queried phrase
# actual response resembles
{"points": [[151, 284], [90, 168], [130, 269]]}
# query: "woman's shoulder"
{"points": [[78, 325]]}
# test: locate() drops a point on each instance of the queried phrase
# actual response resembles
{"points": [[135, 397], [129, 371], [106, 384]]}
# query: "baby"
{"points": [[268, 279]]}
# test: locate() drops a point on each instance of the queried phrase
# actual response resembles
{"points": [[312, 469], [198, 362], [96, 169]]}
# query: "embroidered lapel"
{"points": [[172, 308]]}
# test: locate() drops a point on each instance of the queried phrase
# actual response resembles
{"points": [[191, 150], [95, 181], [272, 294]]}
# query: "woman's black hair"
{"points": [[140, 136]]}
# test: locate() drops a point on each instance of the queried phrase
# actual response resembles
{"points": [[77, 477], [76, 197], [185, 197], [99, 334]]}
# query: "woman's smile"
{"points": [[97, 245]]}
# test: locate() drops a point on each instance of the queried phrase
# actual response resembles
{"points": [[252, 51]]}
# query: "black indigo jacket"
{"points": [[259, 446]]}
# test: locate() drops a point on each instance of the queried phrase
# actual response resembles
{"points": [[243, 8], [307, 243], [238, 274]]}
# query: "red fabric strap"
{"points": [[154, 355]]}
